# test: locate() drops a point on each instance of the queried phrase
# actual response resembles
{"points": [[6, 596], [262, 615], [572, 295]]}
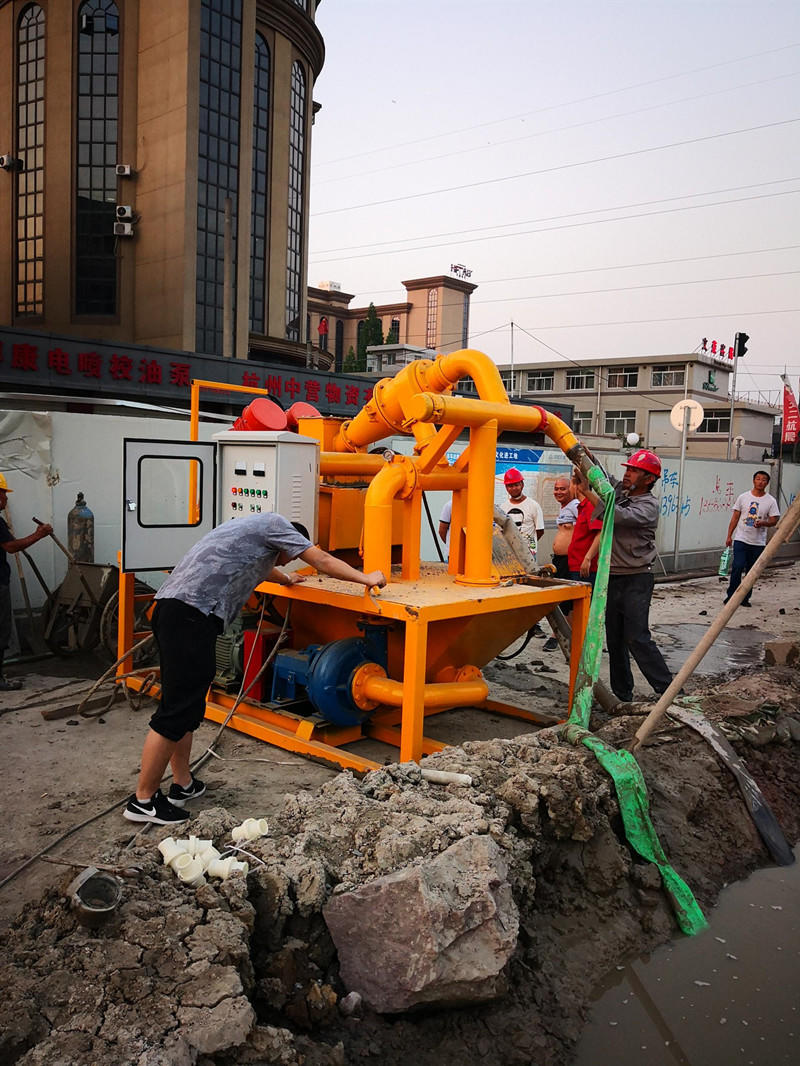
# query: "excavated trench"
{"points": [[526, 871]]}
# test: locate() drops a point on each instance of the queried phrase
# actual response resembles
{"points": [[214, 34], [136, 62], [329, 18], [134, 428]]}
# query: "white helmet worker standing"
{"points": [[9, 544]]}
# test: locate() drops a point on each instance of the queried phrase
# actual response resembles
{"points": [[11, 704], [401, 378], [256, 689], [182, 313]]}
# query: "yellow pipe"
{"points": [[386, 412], [350, 463], [460, 411], [383, 690], [384, 487], [448, 370], [480, 506]]}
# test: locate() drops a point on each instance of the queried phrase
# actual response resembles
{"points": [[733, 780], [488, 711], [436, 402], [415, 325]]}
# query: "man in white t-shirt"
{"points": [[445, 519], [753, 513], [525, 512]]}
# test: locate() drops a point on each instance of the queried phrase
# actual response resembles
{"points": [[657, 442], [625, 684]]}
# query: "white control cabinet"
{"points": [[264, 471]]}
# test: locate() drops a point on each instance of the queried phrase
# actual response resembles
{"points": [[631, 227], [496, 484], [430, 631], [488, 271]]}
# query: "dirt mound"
{"points": [[245, 971]]}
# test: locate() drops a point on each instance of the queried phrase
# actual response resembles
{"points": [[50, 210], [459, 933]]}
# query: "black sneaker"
{"points": [[178, 795], [157, 809], [550, 644]]}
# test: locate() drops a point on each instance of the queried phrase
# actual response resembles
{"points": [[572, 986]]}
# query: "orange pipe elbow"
{"points": [[387, 484], [438, 695]]}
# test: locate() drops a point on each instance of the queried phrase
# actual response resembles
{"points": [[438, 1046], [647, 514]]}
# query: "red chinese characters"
{"points": [[352, 394], [24, 357], [58, 360], [90, 364], [179, 373], [312, 390], [121, 367]]}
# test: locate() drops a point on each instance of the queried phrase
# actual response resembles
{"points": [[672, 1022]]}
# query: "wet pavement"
{"points": [[733, 649], [727, 996]]}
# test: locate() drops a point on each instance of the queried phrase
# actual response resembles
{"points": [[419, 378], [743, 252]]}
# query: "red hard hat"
{"points": [[511, 476], [644, 460]]}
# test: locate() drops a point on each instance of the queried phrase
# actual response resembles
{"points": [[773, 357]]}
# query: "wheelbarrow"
{"points": [[73, 612]]}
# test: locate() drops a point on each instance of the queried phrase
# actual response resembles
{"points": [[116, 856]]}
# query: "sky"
{"points": [[622, 179]]}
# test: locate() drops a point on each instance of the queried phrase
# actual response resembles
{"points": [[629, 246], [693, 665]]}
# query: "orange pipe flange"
{"points": [[358, 684]]}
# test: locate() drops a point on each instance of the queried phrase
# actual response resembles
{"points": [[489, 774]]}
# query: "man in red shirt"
{"points": [[585, 542]]}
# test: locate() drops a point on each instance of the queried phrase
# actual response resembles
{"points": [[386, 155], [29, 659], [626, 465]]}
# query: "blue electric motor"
{"points": [[323, 673]]}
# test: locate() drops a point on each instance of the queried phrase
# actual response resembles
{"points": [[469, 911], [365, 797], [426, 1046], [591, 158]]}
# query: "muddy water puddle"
{"points": [[729, 996], [733, 647]]}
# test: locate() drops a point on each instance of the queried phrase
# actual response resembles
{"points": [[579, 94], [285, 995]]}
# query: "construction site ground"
{"points": [[585, 904]]}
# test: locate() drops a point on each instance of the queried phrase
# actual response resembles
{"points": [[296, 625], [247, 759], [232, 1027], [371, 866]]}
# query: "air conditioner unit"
{"points": [[124, 213], [123, 229], [124, 170]]}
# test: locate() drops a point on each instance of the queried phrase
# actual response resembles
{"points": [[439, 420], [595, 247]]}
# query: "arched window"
{"points": [[217, 166], [430, 329], [259, 217], [339, 345], [30, 150], [98, 136], [394, 332], [297, 151]]}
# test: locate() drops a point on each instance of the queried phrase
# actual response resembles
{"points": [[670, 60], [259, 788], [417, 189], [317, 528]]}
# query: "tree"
{"points": [[350, 365], [371, 334]]}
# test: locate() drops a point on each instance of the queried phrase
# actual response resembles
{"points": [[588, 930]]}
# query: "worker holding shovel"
{"points": [[8, 544]]}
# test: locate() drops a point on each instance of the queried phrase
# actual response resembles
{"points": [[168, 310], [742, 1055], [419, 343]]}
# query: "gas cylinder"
{"points": [[80, 531]]}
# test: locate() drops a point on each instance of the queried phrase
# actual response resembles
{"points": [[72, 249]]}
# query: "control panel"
{"points": [[264, 471]]}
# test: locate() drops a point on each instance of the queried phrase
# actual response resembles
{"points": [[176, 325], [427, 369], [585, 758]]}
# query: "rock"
{"points": [[225, 1026], [782, 653], [440, 932]]}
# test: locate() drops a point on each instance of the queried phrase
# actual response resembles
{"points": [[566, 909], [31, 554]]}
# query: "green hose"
{"points": [[621, 765]]}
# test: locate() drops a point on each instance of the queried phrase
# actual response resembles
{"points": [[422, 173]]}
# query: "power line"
{"points": [[556, 129], [551, 218], [562, 166], [569, 225], [634, 288], [568, 103], [706, 316], [622, 266]]}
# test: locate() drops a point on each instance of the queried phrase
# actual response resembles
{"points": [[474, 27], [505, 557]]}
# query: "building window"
{"points": [[258, 218], [393, 336], [465, 322], [714, 422], [217, 166], [580, 379], [97, 138], [540, 381], [467, 385], [30, 149], [339, 349], [620, 421], [582, 422], [665, 376], [297, 154], [430, 329], [623, 379]]}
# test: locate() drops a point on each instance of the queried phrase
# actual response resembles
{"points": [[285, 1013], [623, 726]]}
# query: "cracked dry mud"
{"points": [[245, 971]]}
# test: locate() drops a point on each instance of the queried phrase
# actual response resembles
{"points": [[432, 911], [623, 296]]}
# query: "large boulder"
{"points": [[438, 932]]}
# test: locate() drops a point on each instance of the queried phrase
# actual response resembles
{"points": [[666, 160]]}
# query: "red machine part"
{"points": [[261, 413]]}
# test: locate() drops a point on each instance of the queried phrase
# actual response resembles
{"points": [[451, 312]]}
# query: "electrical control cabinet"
{"points": [[263, 471]]}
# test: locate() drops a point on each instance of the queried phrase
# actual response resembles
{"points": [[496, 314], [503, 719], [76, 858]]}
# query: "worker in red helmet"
{"points": [[525, 513], [631, 578]]}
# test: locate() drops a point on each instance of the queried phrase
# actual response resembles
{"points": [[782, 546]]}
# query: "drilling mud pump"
{"points": [[325, 663]]}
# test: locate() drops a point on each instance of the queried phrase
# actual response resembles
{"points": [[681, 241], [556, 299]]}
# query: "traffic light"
{"points": [[741, 344]]}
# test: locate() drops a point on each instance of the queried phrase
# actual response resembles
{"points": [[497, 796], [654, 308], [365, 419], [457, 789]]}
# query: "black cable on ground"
{"points": [[194, 766]]}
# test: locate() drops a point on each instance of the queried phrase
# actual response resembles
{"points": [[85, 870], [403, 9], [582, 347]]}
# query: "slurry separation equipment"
{"points": [[358, 663]]}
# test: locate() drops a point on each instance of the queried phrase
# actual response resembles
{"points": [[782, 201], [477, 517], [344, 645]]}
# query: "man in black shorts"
{"points": [[200, 598]]}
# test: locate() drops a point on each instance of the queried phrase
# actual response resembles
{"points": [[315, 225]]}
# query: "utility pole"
{"points": [[512, 359]]}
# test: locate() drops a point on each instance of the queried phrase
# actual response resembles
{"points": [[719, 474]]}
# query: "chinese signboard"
{"points": [[44, 362], [791, 417]]}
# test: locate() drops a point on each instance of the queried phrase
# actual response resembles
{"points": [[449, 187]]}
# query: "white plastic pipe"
{"points": [[170, 849], [223, 868], [195, 845], [189, 870], [207, 856], [250, 829]]}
